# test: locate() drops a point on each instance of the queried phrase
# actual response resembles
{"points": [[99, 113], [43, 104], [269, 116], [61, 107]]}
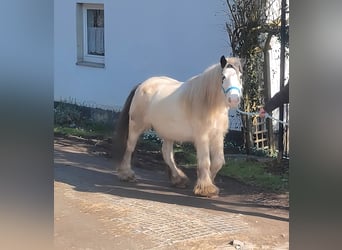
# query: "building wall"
{"points": [[274, 13], [274, 54], [142, 39]]}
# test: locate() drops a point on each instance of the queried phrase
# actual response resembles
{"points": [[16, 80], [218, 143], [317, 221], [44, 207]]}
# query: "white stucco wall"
{"points": [[142, 39]]}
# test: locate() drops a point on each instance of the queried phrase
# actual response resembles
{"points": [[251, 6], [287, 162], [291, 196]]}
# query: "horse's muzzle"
{"points": [[234, 100]]}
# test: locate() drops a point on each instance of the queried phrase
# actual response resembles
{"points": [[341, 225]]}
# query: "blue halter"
{"points": [[225, 91]]}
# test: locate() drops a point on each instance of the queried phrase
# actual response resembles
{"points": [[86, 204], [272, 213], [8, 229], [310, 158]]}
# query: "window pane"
{"points": [[95, 30]]}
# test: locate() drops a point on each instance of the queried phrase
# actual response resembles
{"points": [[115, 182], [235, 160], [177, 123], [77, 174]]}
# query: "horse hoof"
{"points": [[180, 185], [127, 178], [180, 181], [210, 191], [213, 196], [130, 179]]}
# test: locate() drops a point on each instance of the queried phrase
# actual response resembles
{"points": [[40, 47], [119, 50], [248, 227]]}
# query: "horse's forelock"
{"points": [[237, 63]]}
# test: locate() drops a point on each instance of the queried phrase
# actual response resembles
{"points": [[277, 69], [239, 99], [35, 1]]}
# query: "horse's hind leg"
{"points": [[125, 171], [178, 178]]}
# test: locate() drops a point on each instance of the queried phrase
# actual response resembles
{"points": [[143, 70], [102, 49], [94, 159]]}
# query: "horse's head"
{"points": [[231, 80]]}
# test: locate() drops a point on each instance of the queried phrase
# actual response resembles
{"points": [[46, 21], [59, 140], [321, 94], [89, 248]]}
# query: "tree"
{"points": [[250, 31]]}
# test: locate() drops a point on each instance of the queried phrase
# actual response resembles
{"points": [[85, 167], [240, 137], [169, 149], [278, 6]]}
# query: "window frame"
{"points": [[83, 58]]}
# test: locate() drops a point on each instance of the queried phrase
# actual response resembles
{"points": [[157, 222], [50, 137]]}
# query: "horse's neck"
{"points": [[202, 94]]}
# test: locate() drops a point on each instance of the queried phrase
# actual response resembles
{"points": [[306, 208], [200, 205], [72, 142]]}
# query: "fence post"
{"points": [[282, 77]]}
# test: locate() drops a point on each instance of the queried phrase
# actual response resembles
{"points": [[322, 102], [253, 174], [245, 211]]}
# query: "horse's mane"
{"points": [[201, 93]]}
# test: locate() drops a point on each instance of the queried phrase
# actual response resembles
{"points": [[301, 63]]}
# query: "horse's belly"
{"points": [[167, 117], [175, 133], [170, 127]]}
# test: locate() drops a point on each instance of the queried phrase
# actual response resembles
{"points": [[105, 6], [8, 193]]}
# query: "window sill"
{"points": [[90, 64]]}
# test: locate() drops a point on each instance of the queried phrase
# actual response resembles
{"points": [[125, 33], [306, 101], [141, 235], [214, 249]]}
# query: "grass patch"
{"points": [[255, 174], [249, 172], [186, 159]]}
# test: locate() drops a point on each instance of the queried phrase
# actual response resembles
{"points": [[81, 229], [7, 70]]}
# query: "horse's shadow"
{"points": [[154, 185]]}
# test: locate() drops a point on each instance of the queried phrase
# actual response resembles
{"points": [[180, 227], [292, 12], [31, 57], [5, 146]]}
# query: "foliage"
{"points": [[185, 153], [73, 119], [67, 115], [231, 148], [247, 30], [150, 141], [250, 30], [151, 137]]}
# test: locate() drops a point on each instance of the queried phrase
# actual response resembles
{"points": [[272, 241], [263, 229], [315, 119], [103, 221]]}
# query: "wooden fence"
{"points": [[265, 138]]}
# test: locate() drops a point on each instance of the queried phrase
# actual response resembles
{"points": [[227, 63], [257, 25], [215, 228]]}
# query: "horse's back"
{"points": [[155, 85], [157, 103], [150, 92]]}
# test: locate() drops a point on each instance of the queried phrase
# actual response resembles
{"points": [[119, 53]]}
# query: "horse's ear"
{"points": [[223, 61]]}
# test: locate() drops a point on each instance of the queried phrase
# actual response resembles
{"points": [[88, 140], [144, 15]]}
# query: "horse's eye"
{"points": [[229, 66]]}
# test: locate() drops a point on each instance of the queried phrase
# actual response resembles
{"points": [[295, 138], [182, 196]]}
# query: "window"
{"points": [[90, 35]]}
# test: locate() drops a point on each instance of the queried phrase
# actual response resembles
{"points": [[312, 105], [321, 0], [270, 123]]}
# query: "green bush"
{"points": [[72, 119], [67, 115]]}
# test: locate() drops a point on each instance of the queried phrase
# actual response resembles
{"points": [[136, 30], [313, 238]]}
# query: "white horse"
{"points": [[195, 111]]}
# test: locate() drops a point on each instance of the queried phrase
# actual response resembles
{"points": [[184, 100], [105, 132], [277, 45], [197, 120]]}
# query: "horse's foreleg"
{"points": [[216, 155], [125, 171], [204, 185], [178, 178]]}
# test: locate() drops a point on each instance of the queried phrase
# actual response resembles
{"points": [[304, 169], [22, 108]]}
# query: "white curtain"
{"points": [[96, 40]]}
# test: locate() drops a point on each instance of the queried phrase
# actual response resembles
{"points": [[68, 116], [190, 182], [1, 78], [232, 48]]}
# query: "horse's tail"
{"points": [[121, 131]]}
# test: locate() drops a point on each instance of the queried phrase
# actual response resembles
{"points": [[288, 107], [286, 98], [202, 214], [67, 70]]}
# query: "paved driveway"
{"points": [[93, 210]]}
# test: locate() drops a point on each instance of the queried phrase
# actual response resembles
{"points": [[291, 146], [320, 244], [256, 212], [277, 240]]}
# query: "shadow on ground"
{"points": [[91, 173]]}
